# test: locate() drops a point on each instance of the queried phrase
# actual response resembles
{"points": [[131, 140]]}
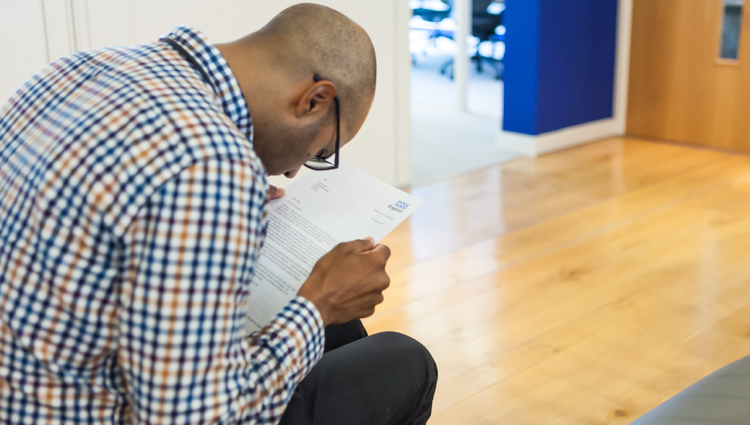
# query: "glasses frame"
{"points": [[315, 162]]}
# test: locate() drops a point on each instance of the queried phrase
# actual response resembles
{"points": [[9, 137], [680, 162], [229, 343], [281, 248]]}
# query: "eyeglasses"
{"points": [[318, 162]]}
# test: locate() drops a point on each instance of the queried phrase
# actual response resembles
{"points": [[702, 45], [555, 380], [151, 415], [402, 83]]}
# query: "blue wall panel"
{"points": [[562, 72], [576, 66], [522, 16]]}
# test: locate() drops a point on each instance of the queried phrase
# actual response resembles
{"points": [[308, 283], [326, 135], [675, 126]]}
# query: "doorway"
{"points": [[452, 135]]}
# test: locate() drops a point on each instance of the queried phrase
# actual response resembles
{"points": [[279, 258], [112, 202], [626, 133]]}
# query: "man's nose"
{"points": [[291, 174]]}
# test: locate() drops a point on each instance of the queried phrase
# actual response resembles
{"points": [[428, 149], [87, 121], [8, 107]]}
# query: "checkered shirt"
{"points": [[132, 212]]}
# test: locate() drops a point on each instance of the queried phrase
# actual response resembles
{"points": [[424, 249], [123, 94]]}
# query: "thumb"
{"points": [[275, 192], [363, 245]]}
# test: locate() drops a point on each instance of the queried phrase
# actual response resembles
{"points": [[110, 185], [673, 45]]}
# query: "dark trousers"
{"points": [[387, 378]]}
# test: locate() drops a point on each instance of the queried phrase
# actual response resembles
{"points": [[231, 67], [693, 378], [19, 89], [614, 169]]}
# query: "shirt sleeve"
{"points": [[189, 256]]}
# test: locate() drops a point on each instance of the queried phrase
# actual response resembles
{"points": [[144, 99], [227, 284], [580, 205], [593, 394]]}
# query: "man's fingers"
{"points": [[363, 245], [372, 301], [364, 306], [275, 192], [377, 298], [383, 250], [377, 282], [367, 312]]}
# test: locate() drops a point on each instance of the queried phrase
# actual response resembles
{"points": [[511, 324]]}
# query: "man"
{"points": [[132, 212]]}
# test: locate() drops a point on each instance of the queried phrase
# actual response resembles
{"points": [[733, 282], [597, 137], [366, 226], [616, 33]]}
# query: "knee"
{"points": [[410, 352]]}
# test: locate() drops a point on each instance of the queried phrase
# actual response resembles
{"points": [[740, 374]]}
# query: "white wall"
{"points": [[33, 32], [23, 43], [622, 63]]}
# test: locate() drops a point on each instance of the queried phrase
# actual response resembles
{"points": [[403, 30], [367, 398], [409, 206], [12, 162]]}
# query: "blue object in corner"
{"points": [[559, 63]]}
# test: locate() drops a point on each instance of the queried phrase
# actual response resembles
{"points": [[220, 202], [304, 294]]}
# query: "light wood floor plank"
{"points": [[501, 199], [428, 277], [598, 290]]}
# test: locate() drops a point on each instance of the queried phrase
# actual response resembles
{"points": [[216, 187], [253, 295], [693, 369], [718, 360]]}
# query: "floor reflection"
{"points": [[500, 199]]}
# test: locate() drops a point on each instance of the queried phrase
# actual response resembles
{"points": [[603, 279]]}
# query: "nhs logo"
{"points": [[400, 206]]}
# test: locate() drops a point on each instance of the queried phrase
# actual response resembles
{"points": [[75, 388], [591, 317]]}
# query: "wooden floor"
{"points": [[582, 287]]}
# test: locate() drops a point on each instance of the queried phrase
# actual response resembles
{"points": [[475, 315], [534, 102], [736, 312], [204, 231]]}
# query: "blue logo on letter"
{"points": [[402, 205]]}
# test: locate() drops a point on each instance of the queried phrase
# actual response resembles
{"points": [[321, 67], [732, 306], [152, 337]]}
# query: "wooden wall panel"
{"points": [[679, 89]]}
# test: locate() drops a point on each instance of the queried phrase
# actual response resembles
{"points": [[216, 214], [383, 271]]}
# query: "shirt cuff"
{"points": [[301, 321], [312, 311]]}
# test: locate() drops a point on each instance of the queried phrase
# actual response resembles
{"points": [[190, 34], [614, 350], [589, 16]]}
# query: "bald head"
{"points": [[293, 113], [315, 39]]}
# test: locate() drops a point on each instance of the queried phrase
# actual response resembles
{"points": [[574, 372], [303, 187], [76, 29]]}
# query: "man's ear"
{"points": [[316, 100]]}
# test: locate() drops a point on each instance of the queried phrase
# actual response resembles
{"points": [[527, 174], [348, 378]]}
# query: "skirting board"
{"points": [[528, 145]]}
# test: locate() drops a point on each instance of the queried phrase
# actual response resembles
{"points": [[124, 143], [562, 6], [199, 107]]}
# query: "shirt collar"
{"points": [[221, 76]]}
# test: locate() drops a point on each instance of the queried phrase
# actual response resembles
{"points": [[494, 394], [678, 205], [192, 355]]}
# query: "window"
{"points": [[730, 35]]}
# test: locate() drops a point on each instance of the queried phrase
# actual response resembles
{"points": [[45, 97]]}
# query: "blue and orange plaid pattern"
{"points": [[132, 212]]}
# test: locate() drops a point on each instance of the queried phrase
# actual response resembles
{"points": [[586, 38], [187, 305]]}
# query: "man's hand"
{"points": [[348, 282], [275, 192]]}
